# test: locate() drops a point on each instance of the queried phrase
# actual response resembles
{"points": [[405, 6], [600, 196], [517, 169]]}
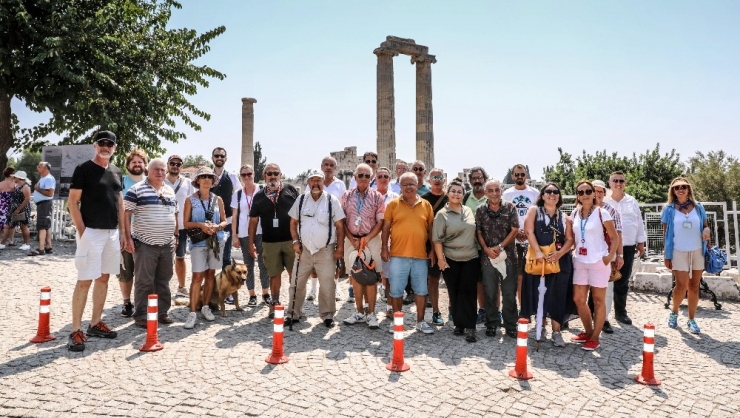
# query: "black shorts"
{"points": [[521, 253], [43, 214]]}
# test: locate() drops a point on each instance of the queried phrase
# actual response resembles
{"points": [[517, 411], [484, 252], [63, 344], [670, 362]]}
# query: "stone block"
{"points": [[652, 282], [725, 287]]}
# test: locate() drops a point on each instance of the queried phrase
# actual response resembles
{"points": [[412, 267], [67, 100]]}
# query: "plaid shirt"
{"points": [[496, 225]]}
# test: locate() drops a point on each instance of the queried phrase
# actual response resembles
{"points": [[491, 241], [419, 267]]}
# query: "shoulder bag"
{"points": [[531, 263], [197, 235], [615, 273], [363, 272]]}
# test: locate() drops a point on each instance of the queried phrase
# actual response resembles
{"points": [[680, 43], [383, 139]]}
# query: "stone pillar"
{"points": [[386, 113], [248, 131], [424, 119]]}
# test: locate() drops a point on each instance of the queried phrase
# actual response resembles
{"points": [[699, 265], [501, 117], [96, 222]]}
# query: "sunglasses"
{"points": [[272, 173], [363, 176], [371, 161], [520, 175], [680, 187], [383, 176], [163, 200], [618, 181], [438, 178], [219, 155], [245, 175], [175, 164], [418, 168], [586, 192], [552, 191], [207, 176], [106, 144]]}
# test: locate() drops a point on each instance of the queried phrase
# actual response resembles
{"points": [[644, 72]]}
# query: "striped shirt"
{"points": [[154, 213], [363, 210]]}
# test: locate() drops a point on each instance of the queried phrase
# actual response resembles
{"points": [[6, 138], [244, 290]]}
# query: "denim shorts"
{"points": [[182, 243], [400, 268]]}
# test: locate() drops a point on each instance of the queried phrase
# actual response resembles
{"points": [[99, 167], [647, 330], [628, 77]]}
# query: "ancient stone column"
{"points": [[248, 130], [424, 119], [386, 113]]}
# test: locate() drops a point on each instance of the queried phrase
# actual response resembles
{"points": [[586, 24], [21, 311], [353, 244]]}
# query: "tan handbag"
{"points": [[533, 267]]}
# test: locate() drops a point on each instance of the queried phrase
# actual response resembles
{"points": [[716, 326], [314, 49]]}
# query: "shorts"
{"points": [[127, 267], [521, 255], [399, 271], [371, 251], [688, 260], [43, 215], [591, 274], [278, 256], [98, 253], [182, 243], [203, 258]]}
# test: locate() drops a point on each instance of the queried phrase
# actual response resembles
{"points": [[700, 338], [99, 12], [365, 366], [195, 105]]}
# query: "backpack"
{"points": [[714, 259]]}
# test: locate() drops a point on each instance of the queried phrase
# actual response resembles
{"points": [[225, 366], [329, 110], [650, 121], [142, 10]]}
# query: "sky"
{"points": [[513, 80]]}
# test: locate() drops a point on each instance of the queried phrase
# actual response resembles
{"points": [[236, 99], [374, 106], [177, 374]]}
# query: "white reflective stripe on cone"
{"points": [[522, 327], [397, 321], [397, 335], [151, 316], [279, 313], [278, 328], [650, 332], [152, 302], [648, 348], [44, 309], [521, 342], [45, 295]]}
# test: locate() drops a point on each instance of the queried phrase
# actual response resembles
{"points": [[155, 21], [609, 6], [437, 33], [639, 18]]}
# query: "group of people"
{"points": [[491, 246]]}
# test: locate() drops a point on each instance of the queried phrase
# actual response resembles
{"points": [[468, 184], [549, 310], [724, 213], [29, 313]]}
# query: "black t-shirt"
{"points": [[101, 191], [263, 208], [433, 198], [225, 189]]}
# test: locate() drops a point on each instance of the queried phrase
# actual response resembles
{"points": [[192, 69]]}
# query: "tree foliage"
{"points": [[260, 162], [100, 64], [27, 162], [715, 176], [195, 160]]}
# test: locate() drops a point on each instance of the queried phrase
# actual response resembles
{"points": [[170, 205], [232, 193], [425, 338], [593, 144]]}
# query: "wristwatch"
{"points": [[295, 241], [620, 255], [501, 247]]}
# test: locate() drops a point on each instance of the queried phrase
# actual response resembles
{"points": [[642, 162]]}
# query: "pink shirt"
{"points": [[361, 222]]}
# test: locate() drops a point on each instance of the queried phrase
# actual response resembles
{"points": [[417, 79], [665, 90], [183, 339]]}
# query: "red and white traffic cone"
{"points": [[277, 356], [520, 369], [397, 363], [152, 339], [42, 333], [647, 377]]}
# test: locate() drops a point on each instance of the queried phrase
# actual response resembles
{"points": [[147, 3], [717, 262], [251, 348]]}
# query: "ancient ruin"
{"points": [[248, 130], [386, 114]]}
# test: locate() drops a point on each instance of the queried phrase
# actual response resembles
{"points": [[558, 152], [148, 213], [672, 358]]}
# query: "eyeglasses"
{"points": [[418, 168], [438, 178], [455, 191], [586, 192], [245, 175], [371, 161], [363, 176], [409, 185], [383, 176], [476, 178], [618, 181], [219, 155], [106, 144], [517, 175], [552, 191], [680, 187], [272, 173], [175, 164]]}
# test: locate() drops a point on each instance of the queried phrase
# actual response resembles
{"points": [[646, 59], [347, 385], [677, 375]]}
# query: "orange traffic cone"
{"points": [[520, 369], [277, 356], [397, 363], [42, 334], [647, 377], [152, 339]]}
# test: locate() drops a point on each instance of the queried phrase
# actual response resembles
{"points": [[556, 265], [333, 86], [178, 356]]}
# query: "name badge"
{"points": [[275, 222], [687, 225], [357, 222], [583, 251]]}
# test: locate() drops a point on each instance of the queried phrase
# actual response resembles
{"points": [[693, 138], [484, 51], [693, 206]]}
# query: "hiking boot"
{"points": [[266, 299], [693, 327], [372, 321], [207, 314], [557, 339], [127, 310], [100, 330], [673, 320], [471, 337], [354, 318], [76, 341], [490, 331], [252, 301], [190, 322], [590, 345], [437, 319], [608, 328], [424, 327]]}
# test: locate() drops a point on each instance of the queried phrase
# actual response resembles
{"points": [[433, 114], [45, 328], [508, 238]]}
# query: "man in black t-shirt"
{"points": [[226, 184], [96, 206], [271, 207], [436, 197]]}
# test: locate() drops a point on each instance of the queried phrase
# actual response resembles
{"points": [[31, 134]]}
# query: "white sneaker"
{"points": [[337, 296], [424, 327], [190, 323], [354, 318], [311, 295], [24, 247], [372, 321], [2, 247], [206, 311], [182, 292]]}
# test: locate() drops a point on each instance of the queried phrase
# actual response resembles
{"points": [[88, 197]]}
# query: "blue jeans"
{"points": [[401, 270], [226, 256]]}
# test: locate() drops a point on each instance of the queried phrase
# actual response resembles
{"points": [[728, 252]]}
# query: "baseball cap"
{"points": [[106, 135], [174, 157], [315, 173]]}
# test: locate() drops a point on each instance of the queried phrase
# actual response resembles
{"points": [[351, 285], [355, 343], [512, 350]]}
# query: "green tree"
{"points": [[599, 166], [259, 162], [28, 163], [195, 160], [651, 174], [563, 173], [715, 176], [99, 64]]}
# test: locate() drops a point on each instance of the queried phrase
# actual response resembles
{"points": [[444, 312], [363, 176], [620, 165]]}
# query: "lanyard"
{"points": [[249, 199], [583, 223], [277, 197], [360, 203], [204, 206]]}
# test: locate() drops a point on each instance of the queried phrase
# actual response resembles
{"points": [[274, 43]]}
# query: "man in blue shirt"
{"points": [[43, 193]]}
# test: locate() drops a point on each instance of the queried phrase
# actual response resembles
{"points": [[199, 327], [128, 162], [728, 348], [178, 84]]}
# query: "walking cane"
{"points": [[295, 289]]}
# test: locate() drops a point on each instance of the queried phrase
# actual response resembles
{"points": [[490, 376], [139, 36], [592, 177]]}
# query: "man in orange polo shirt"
{"points": [[408, 223]]}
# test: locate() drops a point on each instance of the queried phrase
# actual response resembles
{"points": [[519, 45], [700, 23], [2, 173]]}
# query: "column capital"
{"points": [[385, 51], [248, 100], [432, 59]]}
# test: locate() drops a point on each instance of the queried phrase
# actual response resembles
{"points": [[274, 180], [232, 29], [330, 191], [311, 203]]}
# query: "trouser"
{"points": [[152, 274], [249, 262], [492, 281], [461, 280], [226, 255], [622, 286], [323, 262]]}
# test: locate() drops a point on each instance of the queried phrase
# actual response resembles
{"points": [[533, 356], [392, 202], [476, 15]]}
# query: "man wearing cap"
{"points": [[633, 240], [226, 184], [43, 193], [317, 233], [136, 162], [96, 206], [270, 209], [183, 188]]}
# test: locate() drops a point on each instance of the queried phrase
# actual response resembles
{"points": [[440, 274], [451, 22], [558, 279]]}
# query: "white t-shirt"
{"points": [[314, 220], [244, 206], [522, 200], [592, 237], [182, 194]]}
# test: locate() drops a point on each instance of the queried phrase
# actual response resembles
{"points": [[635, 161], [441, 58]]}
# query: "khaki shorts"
{"points": [[127, 267], [278, 256], [688, 260], [372, 249]]}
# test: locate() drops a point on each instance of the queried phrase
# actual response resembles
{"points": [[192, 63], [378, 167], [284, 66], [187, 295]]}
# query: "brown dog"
{"points": [[228, 282]]}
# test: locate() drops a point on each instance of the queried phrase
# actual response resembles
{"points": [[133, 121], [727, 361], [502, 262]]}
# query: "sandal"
{"points": [[36, 252], [48, 250]]}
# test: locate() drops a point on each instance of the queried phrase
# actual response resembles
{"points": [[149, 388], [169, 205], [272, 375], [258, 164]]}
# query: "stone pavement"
{"points": [[218, 368]]}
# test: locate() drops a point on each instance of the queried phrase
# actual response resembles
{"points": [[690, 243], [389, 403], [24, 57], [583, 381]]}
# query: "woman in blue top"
{"points": [[204, 210], [685, 232]]}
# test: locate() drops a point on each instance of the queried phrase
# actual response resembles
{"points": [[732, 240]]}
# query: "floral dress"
{"points": [[5, 213], [16, 201]]}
